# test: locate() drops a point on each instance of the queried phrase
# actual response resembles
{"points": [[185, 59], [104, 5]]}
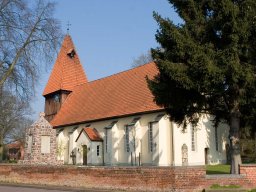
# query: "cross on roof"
{"points": [[68, 25]]}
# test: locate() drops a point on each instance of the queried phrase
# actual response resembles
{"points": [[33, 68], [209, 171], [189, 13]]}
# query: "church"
{"points": [[115, 121]]}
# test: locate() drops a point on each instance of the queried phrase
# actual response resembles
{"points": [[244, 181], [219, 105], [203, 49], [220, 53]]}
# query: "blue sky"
{"points": [[108, 35]]}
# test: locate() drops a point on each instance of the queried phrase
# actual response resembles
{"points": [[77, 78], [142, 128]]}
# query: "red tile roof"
{"points": [[14, 145], [67, 72], [92, 134], [122, 94]]}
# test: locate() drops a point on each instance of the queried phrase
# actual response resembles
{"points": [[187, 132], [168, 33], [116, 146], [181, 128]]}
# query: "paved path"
{"points": [[17, 188], [25, 189]]}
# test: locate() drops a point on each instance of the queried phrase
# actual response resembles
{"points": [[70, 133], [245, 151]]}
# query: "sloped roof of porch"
{"points": [[92, 134]]}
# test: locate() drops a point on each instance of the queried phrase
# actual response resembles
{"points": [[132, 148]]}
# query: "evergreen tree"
{"points": [[207, 65]]}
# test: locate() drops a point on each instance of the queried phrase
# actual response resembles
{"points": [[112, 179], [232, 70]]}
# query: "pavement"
{"points": [[7, 187]]}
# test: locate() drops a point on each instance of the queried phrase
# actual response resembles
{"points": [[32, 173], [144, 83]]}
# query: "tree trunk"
{"points": [[234, 142], [1, 148]]}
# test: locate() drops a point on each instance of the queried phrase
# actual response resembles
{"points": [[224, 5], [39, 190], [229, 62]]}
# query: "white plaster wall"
{"points": [[111, 156], [205, 138], [96, 160], [217, 156], [165, 142], [116, 144], [119, 156], [63, 146], [108, 146]]}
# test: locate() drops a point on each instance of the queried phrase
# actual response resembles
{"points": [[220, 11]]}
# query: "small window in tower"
{"points": [[71, 53], [56, 98]]}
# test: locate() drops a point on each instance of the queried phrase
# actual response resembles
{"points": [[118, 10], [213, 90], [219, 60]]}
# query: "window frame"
{"points": [[106, 140], [127, 139], [193, 139], [151, 138]]}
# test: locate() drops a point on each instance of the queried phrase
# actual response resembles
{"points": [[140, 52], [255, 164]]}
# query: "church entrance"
{"points": [[84, 154]]}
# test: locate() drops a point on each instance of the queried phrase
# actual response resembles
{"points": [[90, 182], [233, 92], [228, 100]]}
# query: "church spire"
{"points": [[67, 71]]}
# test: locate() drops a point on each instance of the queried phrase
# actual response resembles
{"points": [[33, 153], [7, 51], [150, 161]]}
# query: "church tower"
{"points": [[67, 73]]}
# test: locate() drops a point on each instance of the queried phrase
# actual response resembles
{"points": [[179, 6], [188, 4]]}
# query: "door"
{"points": [[84, 154]]}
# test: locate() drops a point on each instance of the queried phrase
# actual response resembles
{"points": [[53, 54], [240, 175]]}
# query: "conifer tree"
{"points": [[207, 65]]}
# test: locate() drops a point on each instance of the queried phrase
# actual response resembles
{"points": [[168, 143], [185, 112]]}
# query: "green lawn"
{"points": [[217, 186], [217, 169], [253, 190]]}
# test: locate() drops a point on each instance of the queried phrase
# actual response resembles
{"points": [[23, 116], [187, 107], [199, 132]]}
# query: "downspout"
{"points": [[103, 149]]}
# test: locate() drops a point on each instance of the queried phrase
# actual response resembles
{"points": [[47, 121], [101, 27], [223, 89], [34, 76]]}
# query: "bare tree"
{"points": [[18, 133], [142, 59], [29, 36], [13, 115]]}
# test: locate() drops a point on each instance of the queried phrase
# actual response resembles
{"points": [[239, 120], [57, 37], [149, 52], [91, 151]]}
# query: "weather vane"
{"points": [[68, 25]]}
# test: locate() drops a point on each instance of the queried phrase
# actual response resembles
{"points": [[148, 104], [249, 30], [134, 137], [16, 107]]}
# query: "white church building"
{"points": [[114, 120]]}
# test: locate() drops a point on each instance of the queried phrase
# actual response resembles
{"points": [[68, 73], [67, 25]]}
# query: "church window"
{"points": [[98, 150], [108, 131], [130, 135], [56, 98], [106, 140], [216, 139], [45, 144], [127, 138], [152, 136], [193, 138]]}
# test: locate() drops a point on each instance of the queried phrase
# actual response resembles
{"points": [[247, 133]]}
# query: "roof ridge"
{"points": [[62, 76], [125, 71]]}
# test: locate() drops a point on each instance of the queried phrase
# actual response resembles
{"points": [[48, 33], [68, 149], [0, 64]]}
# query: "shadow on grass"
{"points": [[217, 169]]}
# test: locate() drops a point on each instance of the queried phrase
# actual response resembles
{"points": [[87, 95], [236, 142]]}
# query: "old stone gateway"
{"points": [[40, 146]]}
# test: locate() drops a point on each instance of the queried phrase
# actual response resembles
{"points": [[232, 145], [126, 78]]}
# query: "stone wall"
{"points": [[178, 179], [33, 146]]}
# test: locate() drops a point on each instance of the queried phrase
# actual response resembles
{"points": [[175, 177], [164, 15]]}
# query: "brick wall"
{"points": [[182, 179], [250, 173]]}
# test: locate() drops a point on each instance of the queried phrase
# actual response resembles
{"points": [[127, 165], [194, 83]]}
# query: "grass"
{"points": [[253, 190], [217, 186], [217, 169]]}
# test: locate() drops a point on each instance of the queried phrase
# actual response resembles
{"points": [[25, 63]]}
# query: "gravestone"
{"points": [[40, 146], [184, 152]]}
